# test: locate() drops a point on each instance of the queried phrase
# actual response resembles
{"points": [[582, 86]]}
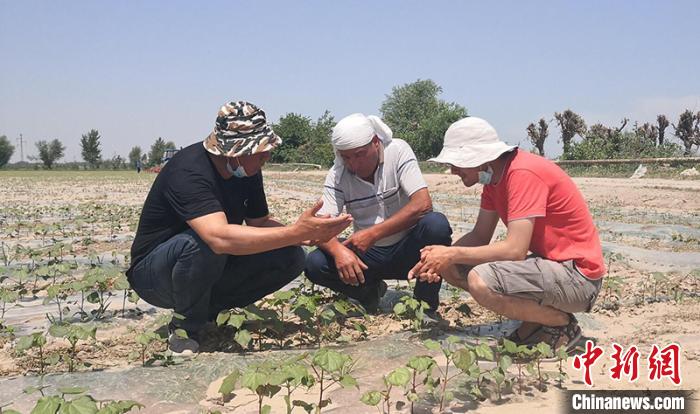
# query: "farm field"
{"points": [[68, 318]]}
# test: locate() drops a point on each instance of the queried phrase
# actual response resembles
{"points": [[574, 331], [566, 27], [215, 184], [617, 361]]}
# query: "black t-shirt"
{"points": [[189, 187]]}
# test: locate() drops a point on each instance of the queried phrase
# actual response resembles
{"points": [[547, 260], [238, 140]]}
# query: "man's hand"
{"points": [[433, 262], [361, 241], [316, 229], [350, 267]]}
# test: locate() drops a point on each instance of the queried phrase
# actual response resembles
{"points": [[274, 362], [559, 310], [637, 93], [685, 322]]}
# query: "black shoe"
{"points": [[433, 318], [182, 345], [375, 294]]}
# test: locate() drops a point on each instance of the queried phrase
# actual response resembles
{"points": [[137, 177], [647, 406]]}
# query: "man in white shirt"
{"points": [[378, 181]]}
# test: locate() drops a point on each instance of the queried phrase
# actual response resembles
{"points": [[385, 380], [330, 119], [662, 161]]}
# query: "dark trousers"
{"points": [[390, 262], [184, 274]]}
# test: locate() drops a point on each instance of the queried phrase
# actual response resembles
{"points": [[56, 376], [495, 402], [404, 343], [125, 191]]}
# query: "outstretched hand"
{"points": [[319, 229]]}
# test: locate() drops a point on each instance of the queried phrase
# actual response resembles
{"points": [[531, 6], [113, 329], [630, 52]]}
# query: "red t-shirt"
{"points": [[533, 187]]}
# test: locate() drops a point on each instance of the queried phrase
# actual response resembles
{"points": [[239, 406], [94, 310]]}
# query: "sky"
{"points": [[138, 70]]}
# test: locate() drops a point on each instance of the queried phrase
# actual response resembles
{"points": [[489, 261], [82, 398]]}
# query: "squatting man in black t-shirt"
{"points": [[191, 252]]}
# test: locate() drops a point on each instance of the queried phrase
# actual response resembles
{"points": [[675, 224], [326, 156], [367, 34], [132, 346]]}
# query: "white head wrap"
{"points": [[357, 130]]}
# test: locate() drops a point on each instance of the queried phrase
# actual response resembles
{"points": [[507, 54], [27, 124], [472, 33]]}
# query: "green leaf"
{"points": [[544, 349], [47, 405], [243, 337], [93, 297], [133, 297], [484, 351], [266, 409], [399, 309], [453, 339], [222, 318], [181, 333], [236, 321], [24, 343], [58, 331], [421, 363], [432, 345], [81, 405], [510, 346], [505, 362], [399, 377], [121, 283], [229, 383], [178, 316], [348, 381], [253, 380], [463, 359], [330, 361], [371, 398]]}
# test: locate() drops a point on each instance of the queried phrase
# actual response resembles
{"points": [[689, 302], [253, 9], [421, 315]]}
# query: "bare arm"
{"points": [[419, 205], [482, 232], [266, 221], [435, 260], [225, 238]]}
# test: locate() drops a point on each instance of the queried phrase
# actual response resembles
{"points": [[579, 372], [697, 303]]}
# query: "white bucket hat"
{"points": [[471, 142]]}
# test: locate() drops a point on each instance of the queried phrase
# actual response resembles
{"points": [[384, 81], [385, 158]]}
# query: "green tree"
{"points": [[318, 148], [295, 130], [6, 150], [688, 130], [662, 122], [155, 155], [415, 113], [134, 156], [538, 134], [90, 148], [570, 124], [50, 152]]}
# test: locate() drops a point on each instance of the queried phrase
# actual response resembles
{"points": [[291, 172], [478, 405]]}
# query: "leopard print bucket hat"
{"points": [[241, 129]]}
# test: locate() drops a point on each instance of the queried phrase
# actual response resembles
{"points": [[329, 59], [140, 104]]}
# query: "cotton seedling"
{"points": [[329, 368], [540, 352], [519, 354], [58, 294], [146, 340], [257, 379], [421, 368], [73, 333], [413, 310], [291, 375], [659, 282], [612, 284], [7, 296], [34, 340], [465, 360], [316, 318], [562, 356], [80, 403], [280, 302], [121, 283], [399, 377]]}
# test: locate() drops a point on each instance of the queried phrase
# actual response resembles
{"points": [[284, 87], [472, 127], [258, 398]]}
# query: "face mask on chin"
{"points": [[485, 177], [239, 172]]}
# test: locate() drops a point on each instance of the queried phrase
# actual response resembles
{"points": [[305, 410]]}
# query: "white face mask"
{"points": [[239, 172], [485, 177]]}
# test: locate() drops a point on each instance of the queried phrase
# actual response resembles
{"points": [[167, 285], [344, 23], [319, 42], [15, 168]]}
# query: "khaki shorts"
{"points": [[556, 284]]}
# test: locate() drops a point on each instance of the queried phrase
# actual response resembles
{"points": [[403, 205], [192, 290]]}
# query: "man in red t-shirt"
{"points": [[544, 213]]}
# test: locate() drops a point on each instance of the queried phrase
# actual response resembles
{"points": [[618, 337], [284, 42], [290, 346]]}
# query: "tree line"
{"points": [[415, 112], [49, 152]]}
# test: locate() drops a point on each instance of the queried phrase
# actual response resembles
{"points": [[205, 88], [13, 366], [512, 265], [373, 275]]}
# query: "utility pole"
{"points": [[21, 147]]}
